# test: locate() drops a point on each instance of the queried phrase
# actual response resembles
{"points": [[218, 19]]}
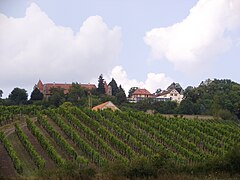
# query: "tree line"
{"points": [[77, 95], [219, 98]]}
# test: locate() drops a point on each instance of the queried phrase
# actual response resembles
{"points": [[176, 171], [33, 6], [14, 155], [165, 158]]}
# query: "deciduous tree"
{"points": [[18, 96], [57, 96], [76, 92], [131, 91]]}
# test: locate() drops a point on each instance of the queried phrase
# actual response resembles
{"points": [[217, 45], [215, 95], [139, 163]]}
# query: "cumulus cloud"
{"points": [[152, 83], [34, 47], [201, 36]]}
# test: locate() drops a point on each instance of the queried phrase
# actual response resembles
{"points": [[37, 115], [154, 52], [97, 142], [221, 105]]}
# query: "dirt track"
{"points": [[6, 165]]}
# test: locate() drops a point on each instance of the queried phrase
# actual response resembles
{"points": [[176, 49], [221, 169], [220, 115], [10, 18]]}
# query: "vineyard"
{"points": [[33, 139]]}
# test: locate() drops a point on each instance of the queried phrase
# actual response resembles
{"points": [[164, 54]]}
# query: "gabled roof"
{"points": [[166, 92], [40, 85], [141, 92], [106, 105]]}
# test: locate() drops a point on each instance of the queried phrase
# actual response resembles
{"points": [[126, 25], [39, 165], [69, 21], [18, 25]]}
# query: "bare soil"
{"points": [[58, 129], [6, 165], [49, 164], [202, 117]]}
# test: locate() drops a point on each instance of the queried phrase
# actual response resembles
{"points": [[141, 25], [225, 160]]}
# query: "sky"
{"points": [[148, 44]]}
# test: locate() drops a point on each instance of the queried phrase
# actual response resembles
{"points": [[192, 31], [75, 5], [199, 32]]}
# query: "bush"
{"points": [[141, 167], [233, 159], [225, 114]]}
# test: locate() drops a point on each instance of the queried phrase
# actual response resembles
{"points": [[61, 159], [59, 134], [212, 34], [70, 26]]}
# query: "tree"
{"points": [[18, 96], [217, 97], [186, 107], [36, 95], [57, 97], [233, 159], [165, 107], [131, 91], [1, 93], [121, 96], [75, 93], [114, 86], [101, 88], [158, 91]]}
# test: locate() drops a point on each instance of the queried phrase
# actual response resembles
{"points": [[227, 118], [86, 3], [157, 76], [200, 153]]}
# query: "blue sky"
{"points": [[139, 43]]}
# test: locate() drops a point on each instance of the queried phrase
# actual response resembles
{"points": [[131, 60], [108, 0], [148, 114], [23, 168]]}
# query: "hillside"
{"points": [[220, 98], [46, 141]]}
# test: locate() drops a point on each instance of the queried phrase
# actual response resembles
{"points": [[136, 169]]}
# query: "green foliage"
{"points": [[58, 138], [104, 98], [36, 95], [186, 107], [233, 159], [163, 107], [91, 135], [46, 145], [217, 97], [72, 134], [12, 113], [38, 160], [114, 86], [73, 171], [70, 170], [57, 96], [224, 114], [16, 161], [166, 107], [230, 162], [144, 167], [1, 93], [130, 144], [131, 91], [18, 96], [101, 88], [76, 93], [121, 96], [141, 167]]}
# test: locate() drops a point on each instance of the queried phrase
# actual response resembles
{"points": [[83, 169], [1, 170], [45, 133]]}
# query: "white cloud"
{"points": [[34, 47], [152, 83], [200, 37]]}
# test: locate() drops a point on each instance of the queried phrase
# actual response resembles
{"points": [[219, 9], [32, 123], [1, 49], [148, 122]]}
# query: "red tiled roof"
{"points": [[100, 106], [88, 86], [141, 92], [105, 105], [40, 85], [45, 88], [48, 86]]}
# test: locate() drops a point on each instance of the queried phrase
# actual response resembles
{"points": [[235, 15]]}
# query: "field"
{"points": [[34, 141]]}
